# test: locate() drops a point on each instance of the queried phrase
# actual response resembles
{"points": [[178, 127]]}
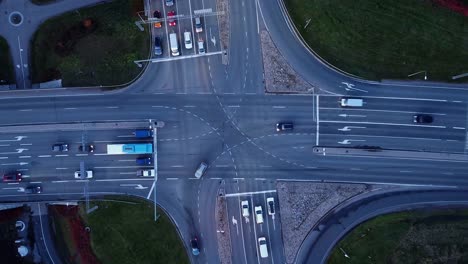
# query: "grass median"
{"points": [[91, 46], [385, 39], [122, 232], [433, 236], [7, 75]]}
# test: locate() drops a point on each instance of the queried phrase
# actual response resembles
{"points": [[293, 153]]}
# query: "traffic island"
{"points": [[222, 227], [304, 204], [279, 76], [120, 231]]}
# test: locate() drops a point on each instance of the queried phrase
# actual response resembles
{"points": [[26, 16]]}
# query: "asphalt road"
{"points": [[219, 114]]}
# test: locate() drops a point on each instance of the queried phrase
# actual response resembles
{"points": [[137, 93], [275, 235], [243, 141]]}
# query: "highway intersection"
{"points": [[221, 114]]}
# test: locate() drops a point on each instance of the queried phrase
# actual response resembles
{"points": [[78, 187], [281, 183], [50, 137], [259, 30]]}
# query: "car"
{"points": [[13, 177], [258, 214], [145, 173], [262, 247], [169, 2], [188, 40], [89, 174], [271, 205], [60, 147], [157, 49], [87, 148], [201, 48], [33, 189], [423, 119], [284, 126], [170, 17], [157, 15], [245, 208], [194, 246], [198, 25], [144, 161], [201, 170], [351, 102]]}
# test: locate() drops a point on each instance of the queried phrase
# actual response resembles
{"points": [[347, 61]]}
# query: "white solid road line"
{"points": [[377, 110], [61, 168], [42, 231], [151, 190], [458, 128], [384, 124], [248, 193], [372, 136], [134, 179], [122, 167]]}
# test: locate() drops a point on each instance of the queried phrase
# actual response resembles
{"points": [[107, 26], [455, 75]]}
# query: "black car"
{"points": [[33, 189], [60, 147], [194, 245], [87, 148], [424, 119], [284, 126], [157, 46]]}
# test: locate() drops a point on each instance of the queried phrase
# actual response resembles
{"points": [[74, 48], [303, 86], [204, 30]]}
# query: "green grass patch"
{"points": [[91, 46], [407, 237], [385, 39], [7, 75], [124, 233]]}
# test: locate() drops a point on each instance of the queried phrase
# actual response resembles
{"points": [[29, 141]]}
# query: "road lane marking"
{"points": [[122, 167], [279, 107], [127, 172], [3, 157], [248, 193], [151, 190], [70, 108], [134, 179], [260, 179], [222, 166], [177, 166], [458, 128], [45, 156], [375, 123], [25, 110], [126, 160], [232, 106], [378, 110], [61, 168], [112, 107], [172, 179], [81, 155], [26, 144], [62, 155]]}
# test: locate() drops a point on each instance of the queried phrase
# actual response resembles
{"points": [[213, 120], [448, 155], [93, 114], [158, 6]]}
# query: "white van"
{"points": [[262, 247], [174, 44], [188, 40], [351, 102]]}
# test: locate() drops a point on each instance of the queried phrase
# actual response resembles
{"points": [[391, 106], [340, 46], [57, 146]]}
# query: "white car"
{"points": [[188, 40], [201, 47], [89, 174], [258, 214], [271, 205], [245, 208], [262, 247], [201, 170]]}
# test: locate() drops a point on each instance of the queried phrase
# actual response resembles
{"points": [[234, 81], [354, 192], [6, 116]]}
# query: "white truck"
{"points": [[174, 44]]}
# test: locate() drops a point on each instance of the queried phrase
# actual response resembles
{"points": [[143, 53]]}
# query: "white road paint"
{"points": [[249, 193], [177, 166], [42, 232], [24, 157], [279, 107], [151, 190], [45, 156], [318, 122], [172, 179], [124, 173], [378, 110], [377, 123], [458, 128], [61, 168], [62, 155], [70, 108]]}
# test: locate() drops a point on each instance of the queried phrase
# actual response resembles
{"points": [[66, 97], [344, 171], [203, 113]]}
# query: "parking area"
{"points": [[183, 29]]}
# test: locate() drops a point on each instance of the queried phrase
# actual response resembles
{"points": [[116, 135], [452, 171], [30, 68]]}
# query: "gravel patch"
{"points": [[303, 204], [222, 223], [224, 26], [279, 75]]}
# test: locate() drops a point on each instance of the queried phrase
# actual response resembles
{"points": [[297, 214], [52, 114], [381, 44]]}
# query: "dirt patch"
{"points": [[279, 76], [303, 204], [224, 237]]}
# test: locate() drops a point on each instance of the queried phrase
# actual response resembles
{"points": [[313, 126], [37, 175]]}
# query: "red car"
{"points": [[170, 16], [12, 177]]}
